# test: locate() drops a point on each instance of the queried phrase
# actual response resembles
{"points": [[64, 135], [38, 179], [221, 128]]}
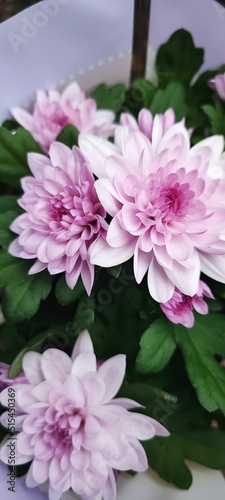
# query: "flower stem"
{"points": [[140, 38]]}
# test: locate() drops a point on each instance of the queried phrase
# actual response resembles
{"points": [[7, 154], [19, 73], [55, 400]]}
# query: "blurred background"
{"points": [[9, 8]]}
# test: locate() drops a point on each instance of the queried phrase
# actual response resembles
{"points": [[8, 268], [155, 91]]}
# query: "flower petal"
{"points": [[112, 372], [213, 266], [108, 196], [84, 363], [186, 280], [32, 367], [55, 365], [83, 344], [103, 255], [117, 236], [160, 286], [96, 150]]}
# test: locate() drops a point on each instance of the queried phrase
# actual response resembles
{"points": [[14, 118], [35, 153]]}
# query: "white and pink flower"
{"points": [[5, 381], [179, 309], [53, 111], [63, 215], [167, 206], [218, 84], [71, 426]]}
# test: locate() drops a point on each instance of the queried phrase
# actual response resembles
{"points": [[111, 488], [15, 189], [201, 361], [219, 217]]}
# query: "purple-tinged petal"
{"points": [[186, 280], [84, 363], [117, 236], [96, 150], [215, 145], [37, 267], [23, 118], [213, 266], [101, 253], [112, 372], [136, 145], [179, 247], [30, 481], [83, 344], [141, 263], [160, 286], [40, 470], [32, 367], [127, 403], [87, 275], [109, 491], [108, 196], [55, 365], [60, 154], [142, 427], [127, 120]]}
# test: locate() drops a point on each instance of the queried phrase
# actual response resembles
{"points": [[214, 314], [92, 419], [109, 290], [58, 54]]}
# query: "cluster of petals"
{"points": [[63, 215], [167, 204], [179, 309], [5, 381], [71, 426], [146, 123], [218, 84], [53, 111]]}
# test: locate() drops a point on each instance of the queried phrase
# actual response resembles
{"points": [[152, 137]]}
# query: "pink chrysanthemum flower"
{"points": [[179, 309], [63, 215], [147, 124], [218, 84], [5, 381], [71, 427], [167, 206], [53, 111]]}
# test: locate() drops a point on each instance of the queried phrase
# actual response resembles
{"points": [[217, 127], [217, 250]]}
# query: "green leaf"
{"points": [[69, 136], [34, 344], [157, 347], [109, 97], [198, 346], [148, 396], [143, 88], [191, 432], [219, 290], [10, 125], [205, 446], [114, 271], [23, 293], [173, 96], [11, 342], [13, 155], [191, 438], [9, 210], [197, 96], [164, 457], [65, 295], [216, 116], [6, 236], [84, 317], [178, 59], [9, 203], [117, 327]]}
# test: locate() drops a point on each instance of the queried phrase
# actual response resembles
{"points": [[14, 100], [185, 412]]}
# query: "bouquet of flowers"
{"points": [[112, 272]]}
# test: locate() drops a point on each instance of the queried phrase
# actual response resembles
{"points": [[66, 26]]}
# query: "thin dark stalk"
{"points": [[140, 38]]}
